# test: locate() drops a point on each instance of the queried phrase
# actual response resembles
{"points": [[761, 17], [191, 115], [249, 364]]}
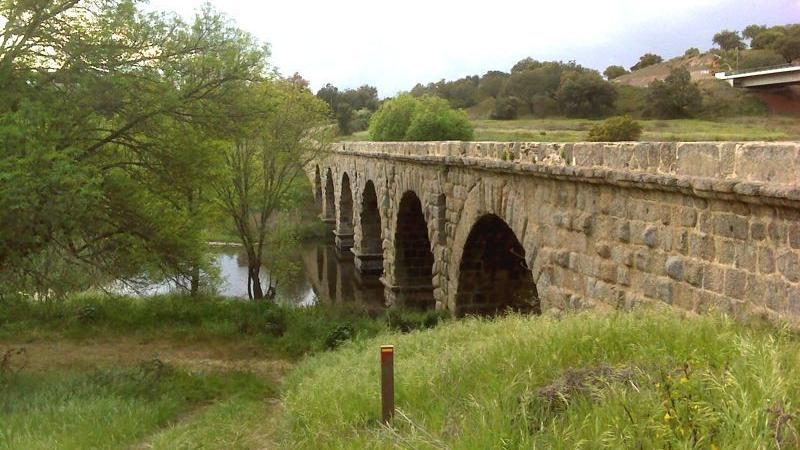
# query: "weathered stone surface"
{"points": [[697, 225]]}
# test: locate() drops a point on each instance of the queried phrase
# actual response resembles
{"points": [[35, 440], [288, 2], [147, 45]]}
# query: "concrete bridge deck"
{"points": [[778, 76], [481, 227]]}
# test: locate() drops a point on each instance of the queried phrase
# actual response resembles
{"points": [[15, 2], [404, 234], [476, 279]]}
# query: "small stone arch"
{"points": [[317, 187], [370, 249], [413, 261], [345, 222], [493, 273], [329, 209]]}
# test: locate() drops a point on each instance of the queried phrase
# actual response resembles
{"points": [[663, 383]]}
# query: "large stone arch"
{"points": [[369, 243], [493, 272], [413, 257], [490, 197]]}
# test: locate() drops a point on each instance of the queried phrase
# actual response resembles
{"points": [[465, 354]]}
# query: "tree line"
{"points": [[124, 133]]}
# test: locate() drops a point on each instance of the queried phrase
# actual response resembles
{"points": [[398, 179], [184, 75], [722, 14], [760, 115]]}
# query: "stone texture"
{"points": [[698, 225]]}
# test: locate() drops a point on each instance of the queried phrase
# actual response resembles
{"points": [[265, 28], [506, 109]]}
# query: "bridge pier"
{"points": [[368, 263], [344, 241], [408, 296]]}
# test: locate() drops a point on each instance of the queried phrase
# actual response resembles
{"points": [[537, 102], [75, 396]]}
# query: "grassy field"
{"points": [[176, 372], [625, 380], [575, 130]]}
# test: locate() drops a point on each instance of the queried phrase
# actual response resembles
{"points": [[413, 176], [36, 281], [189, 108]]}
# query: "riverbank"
{"points": [[179, 372]]}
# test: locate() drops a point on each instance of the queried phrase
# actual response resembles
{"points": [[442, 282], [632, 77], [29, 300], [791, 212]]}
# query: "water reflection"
{"points": [[326, 276]]}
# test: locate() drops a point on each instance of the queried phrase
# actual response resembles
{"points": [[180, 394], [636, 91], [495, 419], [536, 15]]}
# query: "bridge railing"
{"points": [[760, 69]]}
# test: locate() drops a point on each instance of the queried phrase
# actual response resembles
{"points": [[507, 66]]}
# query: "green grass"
{"points": [[649, 379], [111, 408], [686, 130]]}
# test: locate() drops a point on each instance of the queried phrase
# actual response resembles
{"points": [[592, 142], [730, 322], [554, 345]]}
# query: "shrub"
{"points": [[427, 118], [616, 129], [612, 72], [674, 97], [406, 321], [506, 108], [585, 94]]}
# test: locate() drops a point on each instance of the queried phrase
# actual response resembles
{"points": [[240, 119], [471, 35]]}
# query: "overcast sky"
{"points": [[394, 45]]}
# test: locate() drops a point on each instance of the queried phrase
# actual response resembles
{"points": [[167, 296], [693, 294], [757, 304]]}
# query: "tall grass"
{"points": [[109, 408], [649, 379]]}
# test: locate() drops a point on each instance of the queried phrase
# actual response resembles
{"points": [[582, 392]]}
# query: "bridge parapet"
{"points": [[762, 172]]}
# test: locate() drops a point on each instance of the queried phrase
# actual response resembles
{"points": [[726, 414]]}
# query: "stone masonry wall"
{"points": [[696, 225]]}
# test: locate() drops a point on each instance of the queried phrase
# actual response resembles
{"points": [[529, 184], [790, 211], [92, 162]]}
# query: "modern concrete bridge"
{"points": [[481, 227], [778, 76]]}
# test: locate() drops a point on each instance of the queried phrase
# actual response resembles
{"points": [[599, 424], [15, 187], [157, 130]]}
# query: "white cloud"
{"points": [[396, 44]]}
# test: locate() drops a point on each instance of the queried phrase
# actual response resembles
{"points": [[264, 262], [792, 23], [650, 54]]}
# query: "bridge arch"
{"points": [[413, 261], [317, 187], [345, 221], [369, 246], [493, 272], [329, 208]]}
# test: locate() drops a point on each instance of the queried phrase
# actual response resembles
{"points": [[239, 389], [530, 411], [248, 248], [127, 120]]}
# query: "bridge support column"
{"points": [[344, 241], [368, 263], [409, 296]]}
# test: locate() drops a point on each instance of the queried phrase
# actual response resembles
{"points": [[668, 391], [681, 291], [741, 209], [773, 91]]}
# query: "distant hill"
{"points": [[700, 67]]}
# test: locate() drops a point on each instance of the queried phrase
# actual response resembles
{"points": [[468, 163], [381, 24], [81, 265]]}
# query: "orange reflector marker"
{"points": [[387, 383]]}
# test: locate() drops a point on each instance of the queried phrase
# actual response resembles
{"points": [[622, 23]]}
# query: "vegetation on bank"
{"points": [[647, 379]]}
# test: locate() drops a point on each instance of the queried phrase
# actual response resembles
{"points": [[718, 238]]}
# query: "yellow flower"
{"points": [[667, 417], [684, 380]]}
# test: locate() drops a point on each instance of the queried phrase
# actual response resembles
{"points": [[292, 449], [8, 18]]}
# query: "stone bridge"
{"points": [[481, 227]]}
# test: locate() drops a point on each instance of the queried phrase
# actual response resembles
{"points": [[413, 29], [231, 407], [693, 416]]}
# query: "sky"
{"points": [[394, 45]]}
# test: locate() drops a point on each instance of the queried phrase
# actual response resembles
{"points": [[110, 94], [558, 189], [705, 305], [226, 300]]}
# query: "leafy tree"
{"points": [[648, 59], [585, 94], [526, 64], [691, 52], [92, 131], [532, 87], [759, 58], [261, 168], [435, 120], [505, 108], [615, 129], [343, 104], [393, 118], [766, 39], [429, 118], [751, 31], [789, 44], [675, 97], [491, 84], [612, 72], [728, 40]]}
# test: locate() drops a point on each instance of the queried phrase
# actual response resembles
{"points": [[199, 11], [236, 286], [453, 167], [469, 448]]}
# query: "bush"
{"points": [[506, 108], [406, 321], [616, 129], [612, 72], [675, 97], [427, 118], [585, 94]]}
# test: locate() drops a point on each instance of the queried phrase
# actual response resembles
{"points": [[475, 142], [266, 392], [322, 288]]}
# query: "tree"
{"points": [[788, 45], [533, 87], [766, 39], [261, 168], [491, 84], [751, 31], [648, 59], [612, 72], [691, 52], [526, 64], [728, 40], [505, 108], [428, 118], [92, 130], [585, 94], [435, 120], [674, 97]]}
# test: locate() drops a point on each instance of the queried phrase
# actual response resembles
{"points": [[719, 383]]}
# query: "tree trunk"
{"points": [[255, 281], [195, 286]]}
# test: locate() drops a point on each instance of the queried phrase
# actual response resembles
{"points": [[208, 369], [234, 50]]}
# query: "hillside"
{"points": [[700, 68]]}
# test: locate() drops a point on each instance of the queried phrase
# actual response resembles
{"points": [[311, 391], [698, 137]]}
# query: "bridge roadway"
{"points": [[778, 76], [478, 228]]}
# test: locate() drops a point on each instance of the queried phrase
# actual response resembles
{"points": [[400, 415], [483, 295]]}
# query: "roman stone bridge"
{"points": [[481, 227]]}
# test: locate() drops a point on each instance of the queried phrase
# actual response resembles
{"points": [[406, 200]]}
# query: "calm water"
{"points": [[325, 276]]}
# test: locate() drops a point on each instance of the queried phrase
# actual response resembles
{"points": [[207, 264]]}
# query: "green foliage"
{"points": [[752, 59], [491, 84], [675, 97], [406, 118], [612, 72], [782, 39], [691, 52], [406, 321], [615, 129], [585, 94], [648, 59], [631, 100], [505, 108], [722, 100], [351, 108], [728, 40], [536, 86], [461, 93], [648, 379]]}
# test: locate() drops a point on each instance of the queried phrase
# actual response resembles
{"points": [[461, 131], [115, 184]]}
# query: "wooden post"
{"points": [[387, 383]]}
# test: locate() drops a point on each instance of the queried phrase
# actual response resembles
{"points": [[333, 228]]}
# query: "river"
{"points": [[325, 276]]}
